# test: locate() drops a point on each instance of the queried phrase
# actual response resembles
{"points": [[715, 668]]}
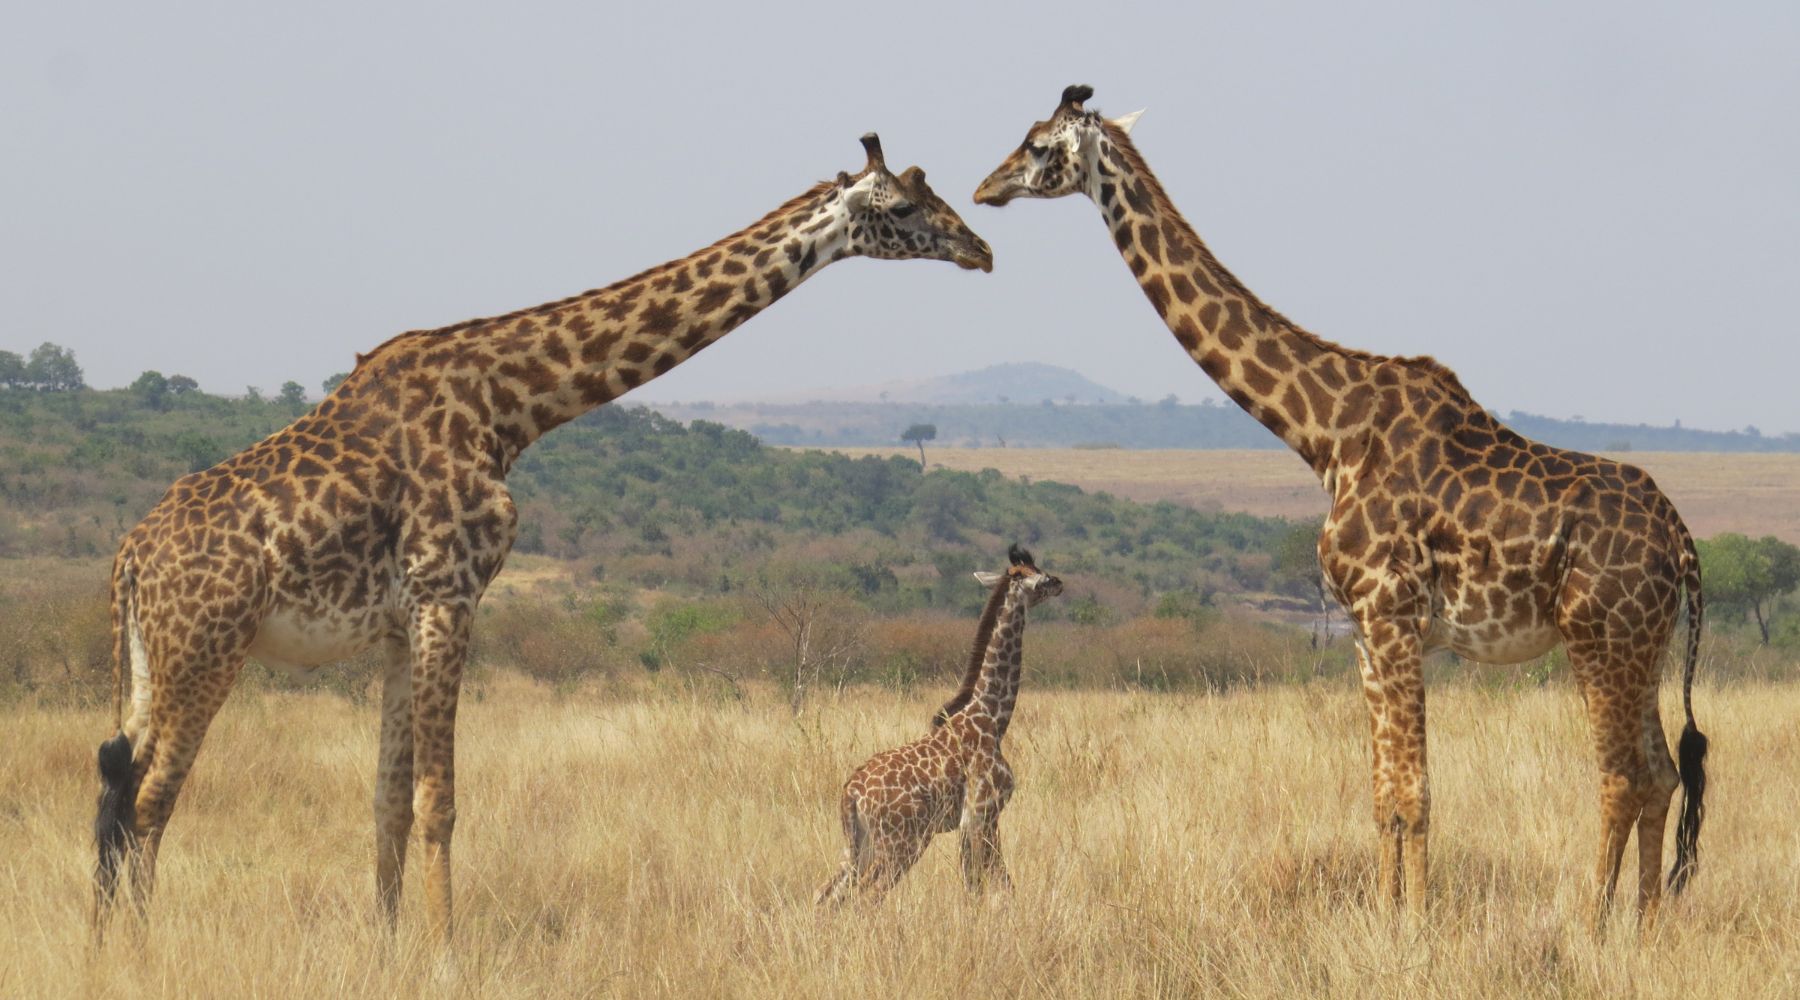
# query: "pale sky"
{"points": [[1585, 209]]}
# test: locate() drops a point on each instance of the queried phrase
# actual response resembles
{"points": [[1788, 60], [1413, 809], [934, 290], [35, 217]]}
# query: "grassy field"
{"points": [[669, 843], [1754, 494]]}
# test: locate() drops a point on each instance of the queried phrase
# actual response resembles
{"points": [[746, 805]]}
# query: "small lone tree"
{"points": [[293, 394], [919, 434], [826, 629], [181, 385]]}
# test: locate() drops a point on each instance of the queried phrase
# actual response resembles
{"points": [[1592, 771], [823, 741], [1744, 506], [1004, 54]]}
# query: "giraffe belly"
{"points": [[294, 641], [1490, 643]]}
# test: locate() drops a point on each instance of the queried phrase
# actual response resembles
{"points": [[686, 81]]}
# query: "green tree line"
{"points": [[640, 499]]}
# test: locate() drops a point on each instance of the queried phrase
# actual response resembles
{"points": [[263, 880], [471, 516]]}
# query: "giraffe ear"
{"points": [[856, 194], [1126, 121], [988, 579]]}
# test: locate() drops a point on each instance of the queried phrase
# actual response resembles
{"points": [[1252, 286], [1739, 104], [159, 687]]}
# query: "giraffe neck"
{"points": [[984, 631], [997, 686], [529, 371], [1309, 392]]}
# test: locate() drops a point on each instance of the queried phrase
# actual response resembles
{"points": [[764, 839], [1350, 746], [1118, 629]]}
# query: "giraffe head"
{"points": [[899, 217], [1058, 157], [1024, 577]]}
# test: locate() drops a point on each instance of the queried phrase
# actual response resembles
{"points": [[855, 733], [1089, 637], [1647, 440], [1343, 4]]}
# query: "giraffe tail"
{"points": [[1691, 751], [854, 831], [113, 822]]}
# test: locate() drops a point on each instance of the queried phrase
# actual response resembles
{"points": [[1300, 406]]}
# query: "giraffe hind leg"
{"points": [[1661, 789], [841, 884], [891, 857], [854, 860], [183, 709], [1633, 791]]}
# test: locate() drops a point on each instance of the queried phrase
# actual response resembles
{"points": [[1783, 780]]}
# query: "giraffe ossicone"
{"points": [[954, 777], [380, 517], [1447, 530]]}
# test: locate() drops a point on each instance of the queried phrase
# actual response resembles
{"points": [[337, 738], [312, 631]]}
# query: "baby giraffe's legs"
{"points": [[982, 865], [840, 885], [893, 855]]}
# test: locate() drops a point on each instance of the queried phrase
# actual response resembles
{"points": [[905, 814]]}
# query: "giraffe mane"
{"points": [[794, 204], [1223, 276], [984, 632]]}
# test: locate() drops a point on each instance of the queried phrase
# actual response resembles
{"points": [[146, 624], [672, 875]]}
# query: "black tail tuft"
{"points": [[1691, 757], [113, 823]]}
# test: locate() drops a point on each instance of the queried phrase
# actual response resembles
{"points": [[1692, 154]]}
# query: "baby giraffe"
{"points": [[954, 778]]}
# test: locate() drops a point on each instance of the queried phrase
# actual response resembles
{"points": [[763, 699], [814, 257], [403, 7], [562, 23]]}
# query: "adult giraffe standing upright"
{"points": [[382, 515], [1447, 529]]}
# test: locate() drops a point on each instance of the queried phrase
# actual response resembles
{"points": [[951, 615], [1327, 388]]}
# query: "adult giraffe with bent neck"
{"points": [[381, 516], [1446, 530]]}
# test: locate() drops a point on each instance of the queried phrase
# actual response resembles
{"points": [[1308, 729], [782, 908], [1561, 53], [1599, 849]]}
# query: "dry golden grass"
{"points": [[671, 845], [1754, 494]]}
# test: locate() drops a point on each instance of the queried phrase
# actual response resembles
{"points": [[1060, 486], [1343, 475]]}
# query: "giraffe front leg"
{"points": [[1393, 686], [394, 779], [983, 866], [440, 638]]}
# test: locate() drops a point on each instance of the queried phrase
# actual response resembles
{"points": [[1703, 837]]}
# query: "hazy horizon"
{"points": [[1587, 210]]}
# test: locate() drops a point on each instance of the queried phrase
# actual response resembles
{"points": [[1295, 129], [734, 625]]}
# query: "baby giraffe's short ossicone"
{"points": [[955, 777]]}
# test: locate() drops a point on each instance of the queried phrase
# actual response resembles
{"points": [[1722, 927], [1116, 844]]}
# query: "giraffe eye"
{"points": [[1036, 150], [902, 211]]}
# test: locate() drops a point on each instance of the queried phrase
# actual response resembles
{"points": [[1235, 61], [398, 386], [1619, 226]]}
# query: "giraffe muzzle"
{"points": [[996, 191], [975, 255]]}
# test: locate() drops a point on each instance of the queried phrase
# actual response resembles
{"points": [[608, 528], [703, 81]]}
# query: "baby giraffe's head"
{"points": [[1024, 578]]}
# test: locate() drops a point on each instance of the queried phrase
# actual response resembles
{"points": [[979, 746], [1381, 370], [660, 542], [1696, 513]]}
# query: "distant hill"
{"points": [[1019, 382], [1042, 424], [1049, 422]]}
